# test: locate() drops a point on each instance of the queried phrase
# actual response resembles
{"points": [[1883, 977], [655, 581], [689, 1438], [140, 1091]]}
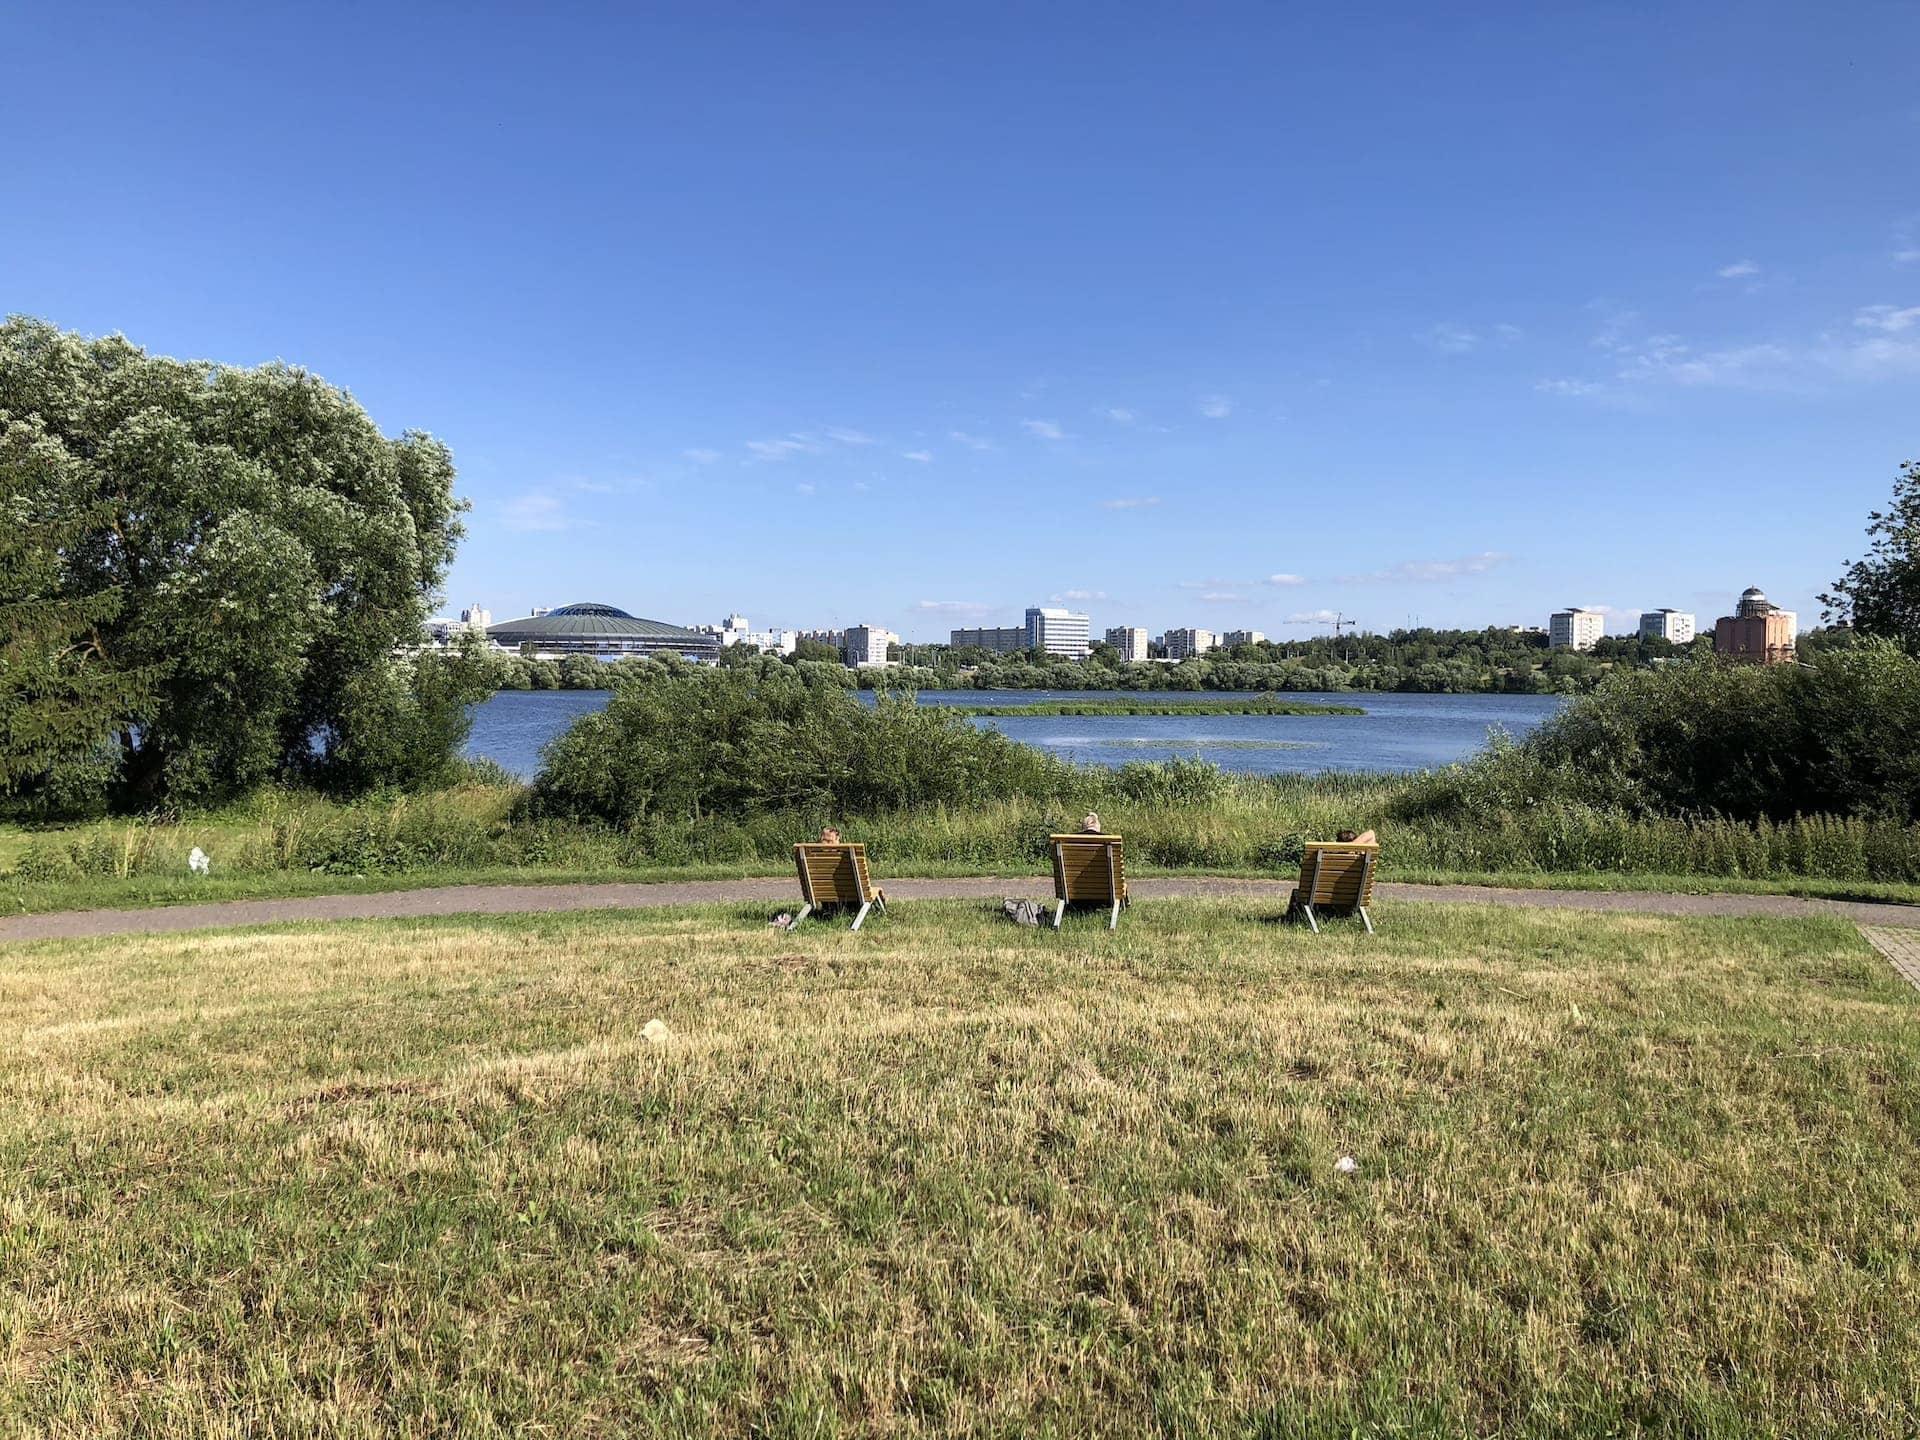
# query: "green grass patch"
{"points": [[952, 1177]]}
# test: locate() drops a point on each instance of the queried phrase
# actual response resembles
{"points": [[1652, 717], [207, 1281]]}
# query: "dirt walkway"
{"points": [[506, 899]]}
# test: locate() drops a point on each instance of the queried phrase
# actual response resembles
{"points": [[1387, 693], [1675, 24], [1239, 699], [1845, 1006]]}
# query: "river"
{"points": [[1398, 732]]}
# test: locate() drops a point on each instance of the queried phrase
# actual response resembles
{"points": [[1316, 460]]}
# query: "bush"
{"points": [[749, 740], [1708, 739]]}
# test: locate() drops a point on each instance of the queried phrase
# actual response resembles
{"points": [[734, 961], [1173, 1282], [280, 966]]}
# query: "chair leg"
{"points": [[862, 915], [805, 910], [1113, 921], [1366, 919], [881, 900], [1312, 924], [1059, 914]]}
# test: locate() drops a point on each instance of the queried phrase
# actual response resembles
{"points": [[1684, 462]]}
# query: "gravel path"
{"points": [[506, 899]]}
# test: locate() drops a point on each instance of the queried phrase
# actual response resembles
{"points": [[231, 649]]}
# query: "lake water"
{"points": [[1398, 732]]}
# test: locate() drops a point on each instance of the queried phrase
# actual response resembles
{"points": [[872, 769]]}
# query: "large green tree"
{"points": [[1880, 595], [269, 555]]}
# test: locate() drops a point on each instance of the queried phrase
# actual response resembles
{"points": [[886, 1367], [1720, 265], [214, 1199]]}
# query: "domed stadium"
{"points": [[593, 629]]}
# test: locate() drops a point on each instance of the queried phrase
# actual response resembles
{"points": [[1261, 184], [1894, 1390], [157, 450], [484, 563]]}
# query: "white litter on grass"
{"points": [[198, 862], [1346, 1165], [656, 1032]]}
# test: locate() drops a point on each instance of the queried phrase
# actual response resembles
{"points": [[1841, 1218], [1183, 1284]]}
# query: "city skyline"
{"points": [[1240, 319]]}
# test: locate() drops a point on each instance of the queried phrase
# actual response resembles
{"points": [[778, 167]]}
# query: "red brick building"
{"points": [[1758, 632]]}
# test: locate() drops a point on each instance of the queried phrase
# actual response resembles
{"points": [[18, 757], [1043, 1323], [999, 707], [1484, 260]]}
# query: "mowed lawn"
{"points": [[953, 1177]]}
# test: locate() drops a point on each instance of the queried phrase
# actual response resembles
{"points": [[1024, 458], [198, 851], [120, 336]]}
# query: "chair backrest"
{"points": [[1089, 868], [1338, 876], [833, 874]]}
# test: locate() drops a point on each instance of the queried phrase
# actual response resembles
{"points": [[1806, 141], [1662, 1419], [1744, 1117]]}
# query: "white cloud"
{"points": [[1221, 597], [1451, 339], [1431, 571], [1130, 502], [1508, 334], [795, 444], [805, 487], [1313, 617], [1907, 256], [1081, 596], [1887, 318], [1872, 359], [1120, 415], [1568, 387], [952, 607], [848, 437], [972, 442], [919, 457], [1216, 407], [1739, 270], [700, 456], [1286, 579], [1045, 429], [535, 511], [1214, 582]]}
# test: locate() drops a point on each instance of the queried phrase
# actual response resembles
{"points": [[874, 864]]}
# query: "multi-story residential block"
{"points": [[1576, 629], [1054, 631], [1674, 625], [1130, 642], [867, 646], [1179, 644], [1000, 639], [1241, 637]]}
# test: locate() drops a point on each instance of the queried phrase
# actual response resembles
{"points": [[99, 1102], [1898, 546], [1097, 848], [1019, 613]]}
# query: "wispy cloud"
{"points": [[1130, 502], [972, 442], [795, 444], [1426, 572], [1045, 429], [919, 457], [1284, 579], [1215, 407], [1221, 597], [1215, 582], [1450, 339], [1739, 270], [842, 436], [1565, 386], [1313, 617], [701, 456], [1080, 596], [1887, 319], [1120, 415], [537, 510], [805, 487], [952, 607]]}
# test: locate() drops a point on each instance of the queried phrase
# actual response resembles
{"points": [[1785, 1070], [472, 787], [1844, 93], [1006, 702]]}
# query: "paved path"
{"points": [[505, 899], [1901, 947]]}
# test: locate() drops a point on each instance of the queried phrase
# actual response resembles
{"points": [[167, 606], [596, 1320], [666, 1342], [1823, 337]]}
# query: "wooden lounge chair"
{"points": [[1336, 878], [1091, 870], [836, 875]]}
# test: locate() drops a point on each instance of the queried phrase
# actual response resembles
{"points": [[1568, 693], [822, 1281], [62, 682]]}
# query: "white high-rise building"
{"points": [[1575, 629], [476, 618], [1059, 632], [1675, 625], [1182, 643], [1241, 637], [1130, 642], [867, 646]]}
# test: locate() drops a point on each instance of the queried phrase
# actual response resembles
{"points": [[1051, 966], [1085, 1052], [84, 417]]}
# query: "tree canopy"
{"points": [[248, 560], [1880, 595]]}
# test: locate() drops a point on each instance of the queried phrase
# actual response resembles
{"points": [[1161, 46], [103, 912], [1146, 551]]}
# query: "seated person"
{"points": [[1360, 837]]}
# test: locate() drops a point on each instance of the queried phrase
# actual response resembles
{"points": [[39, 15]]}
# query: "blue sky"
{"points": [[1222, 315]]}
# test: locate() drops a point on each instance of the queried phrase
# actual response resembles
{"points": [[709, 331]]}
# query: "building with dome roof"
{"points": [[603, 631], [1758, 632]]}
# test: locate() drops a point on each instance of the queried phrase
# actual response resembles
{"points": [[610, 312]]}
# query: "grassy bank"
{"points": [[281, 843], [1238, 706], [953, 1177]]}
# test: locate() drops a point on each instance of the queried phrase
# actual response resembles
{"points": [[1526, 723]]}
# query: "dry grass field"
{"points": [[952, 1177]]}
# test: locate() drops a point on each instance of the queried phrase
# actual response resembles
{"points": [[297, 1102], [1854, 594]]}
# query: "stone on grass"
{"points": [[656, 1032]]}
